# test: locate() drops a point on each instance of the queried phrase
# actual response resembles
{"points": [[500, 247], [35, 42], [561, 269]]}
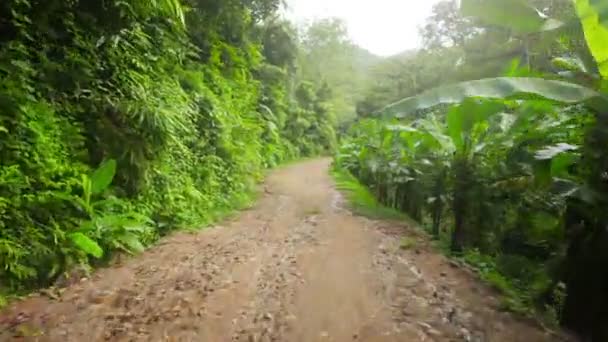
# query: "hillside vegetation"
{"points": [[508, 171], [123, 120]]}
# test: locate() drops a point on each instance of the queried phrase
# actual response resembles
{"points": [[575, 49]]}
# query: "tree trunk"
{"points": [[460, 204]]}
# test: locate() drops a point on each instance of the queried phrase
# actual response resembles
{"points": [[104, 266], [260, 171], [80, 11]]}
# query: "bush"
{"points": [[173, 106]]}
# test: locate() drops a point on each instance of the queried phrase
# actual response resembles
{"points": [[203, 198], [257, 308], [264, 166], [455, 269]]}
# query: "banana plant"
{"points": [[113, 230], [92, 185], [523, 19], [424, 152], [411, 167], [445, 157], [585, 216]]}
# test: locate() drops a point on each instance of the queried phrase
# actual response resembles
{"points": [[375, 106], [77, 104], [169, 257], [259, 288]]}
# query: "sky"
{"points": [[384, 27]]}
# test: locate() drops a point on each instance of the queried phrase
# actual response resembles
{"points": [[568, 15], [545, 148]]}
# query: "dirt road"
{"points": [[296, 267]]}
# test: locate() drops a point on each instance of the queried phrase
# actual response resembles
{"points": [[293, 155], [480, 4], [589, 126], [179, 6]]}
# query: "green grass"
{"points": [[514, 299], [361, 200]]}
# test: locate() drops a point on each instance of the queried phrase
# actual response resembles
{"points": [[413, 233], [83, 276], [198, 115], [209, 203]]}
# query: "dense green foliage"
{"points": [[507, 172], [123, 120], [460, 48]]}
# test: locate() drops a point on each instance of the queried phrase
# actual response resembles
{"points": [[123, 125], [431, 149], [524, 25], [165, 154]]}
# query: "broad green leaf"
{"points": [[86, 244], [102, 177], [436, 133], [87, 192], [551, 151], [516, 15], [596, 32], [476, 110], [496, 88], [454, 121]]}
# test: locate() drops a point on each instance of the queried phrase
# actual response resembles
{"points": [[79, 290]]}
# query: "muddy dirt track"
{"points": [[298, 266]]}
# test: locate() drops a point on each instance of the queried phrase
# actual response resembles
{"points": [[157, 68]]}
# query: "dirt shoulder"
{"points": [[296, 267]]}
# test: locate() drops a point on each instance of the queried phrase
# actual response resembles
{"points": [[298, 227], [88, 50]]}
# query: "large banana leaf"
{"points": [[593, 15], [461, 119], [516, 15], [523, 18], [497, 88], [103, 176]]}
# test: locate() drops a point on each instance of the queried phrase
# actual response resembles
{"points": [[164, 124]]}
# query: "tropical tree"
{"points": [[525, 164]]}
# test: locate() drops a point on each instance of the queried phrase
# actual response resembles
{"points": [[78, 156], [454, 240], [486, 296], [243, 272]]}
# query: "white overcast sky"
{"points": [[384, 27]]}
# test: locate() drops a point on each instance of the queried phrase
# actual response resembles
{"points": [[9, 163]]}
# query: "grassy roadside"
{"points": [[237, 203], [362, 202]]}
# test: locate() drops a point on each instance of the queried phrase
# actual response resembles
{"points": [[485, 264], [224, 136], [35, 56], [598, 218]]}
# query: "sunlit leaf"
{"points": [[596, 31], [86, 244], [102, 177]]}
